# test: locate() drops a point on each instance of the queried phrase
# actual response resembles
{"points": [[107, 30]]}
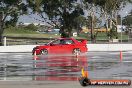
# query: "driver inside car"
{"points": [[62, 42]]}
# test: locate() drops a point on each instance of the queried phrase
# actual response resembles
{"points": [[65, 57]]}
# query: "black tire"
{"points": [[75, 51], [44, 52], [129, 83], [84, 81]]}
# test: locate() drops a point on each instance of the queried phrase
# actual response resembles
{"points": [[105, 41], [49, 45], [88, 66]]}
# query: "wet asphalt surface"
{"points": [[61, 70]]}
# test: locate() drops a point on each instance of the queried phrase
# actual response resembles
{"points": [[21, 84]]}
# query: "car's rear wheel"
{"points": [[76, 51], [44, 52]]}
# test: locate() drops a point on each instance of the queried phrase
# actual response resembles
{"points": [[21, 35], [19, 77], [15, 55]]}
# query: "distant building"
{"points": [[86, 30], [26, 24], [121, 28]]}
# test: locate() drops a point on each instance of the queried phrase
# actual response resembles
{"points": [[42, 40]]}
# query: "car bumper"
{"points": [[35, 51]]}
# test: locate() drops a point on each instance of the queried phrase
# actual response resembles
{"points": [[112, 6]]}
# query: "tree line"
{"points": [[64, 14]]}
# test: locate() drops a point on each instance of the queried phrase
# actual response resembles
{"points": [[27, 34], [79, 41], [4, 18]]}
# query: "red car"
{"points": [[61, 46]]}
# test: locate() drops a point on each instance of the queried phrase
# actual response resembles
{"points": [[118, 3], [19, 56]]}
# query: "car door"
{"points": [[55, 47], [67, 47]]}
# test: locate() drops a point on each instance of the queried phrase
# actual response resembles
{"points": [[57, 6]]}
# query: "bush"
{"points": [[31, 27]]}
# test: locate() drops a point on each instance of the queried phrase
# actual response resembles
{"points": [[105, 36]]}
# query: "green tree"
{"points": [[79, 22], [31, 27], [68, 11], [128, 20], [108, 10], [9, 12], [65, 11]]}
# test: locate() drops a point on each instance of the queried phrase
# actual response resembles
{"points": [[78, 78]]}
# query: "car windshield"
{"points": [[53, 41]]}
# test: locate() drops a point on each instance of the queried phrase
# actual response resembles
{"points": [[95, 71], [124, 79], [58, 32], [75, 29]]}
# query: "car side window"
{"points": [[63, 42], [69, 42]]}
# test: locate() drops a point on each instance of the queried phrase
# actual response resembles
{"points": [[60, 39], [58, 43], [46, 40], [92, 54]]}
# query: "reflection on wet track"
{"points": [[22, 66], [44, 68], [59, 67]]}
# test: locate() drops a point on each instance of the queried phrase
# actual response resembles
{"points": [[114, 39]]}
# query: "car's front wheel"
{"points": [[44, 52], [76, 51]]}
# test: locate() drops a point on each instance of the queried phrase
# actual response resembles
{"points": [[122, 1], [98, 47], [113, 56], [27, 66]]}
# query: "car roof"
{"points": [[69, 39]]}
